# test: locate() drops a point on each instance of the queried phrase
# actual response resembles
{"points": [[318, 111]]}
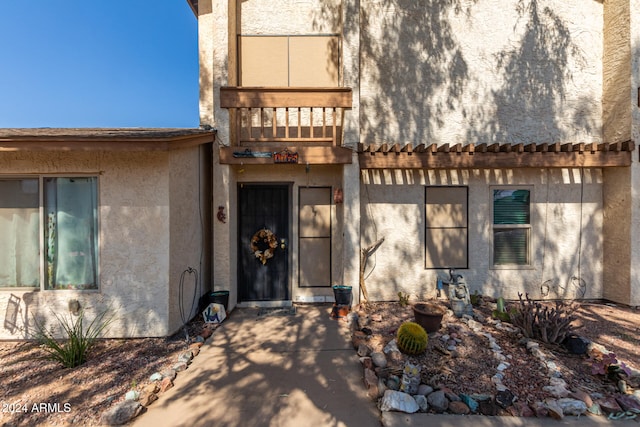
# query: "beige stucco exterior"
{"points": [[463, 72], [566, 232], [152, 219], [621, 118]]}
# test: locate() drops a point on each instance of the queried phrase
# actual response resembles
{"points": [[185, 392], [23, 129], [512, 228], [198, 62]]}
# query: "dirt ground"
{"points": [[617, 328], [79, 396]]}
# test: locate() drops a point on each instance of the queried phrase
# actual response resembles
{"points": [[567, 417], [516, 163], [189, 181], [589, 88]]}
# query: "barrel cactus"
{"points": [[412, 338]]}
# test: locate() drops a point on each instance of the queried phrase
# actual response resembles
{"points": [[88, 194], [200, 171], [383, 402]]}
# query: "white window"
{"points": [[49, 229], [511, 226]]}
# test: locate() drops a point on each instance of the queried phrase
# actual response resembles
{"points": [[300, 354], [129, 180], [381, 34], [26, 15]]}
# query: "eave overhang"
{"points": [[102, 139], [490, 156]]}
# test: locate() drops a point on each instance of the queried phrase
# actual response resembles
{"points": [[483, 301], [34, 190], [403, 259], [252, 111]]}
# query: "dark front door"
{"points": [[263, 267]]}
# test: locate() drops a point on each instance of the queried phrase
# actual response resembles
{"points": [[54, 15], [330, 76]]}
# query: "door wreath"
{"points": [[263, 243]]}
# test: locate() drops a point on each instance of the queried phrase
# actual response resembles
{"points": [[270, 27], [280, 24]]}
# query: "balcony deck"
{"points": [[307, 121]]}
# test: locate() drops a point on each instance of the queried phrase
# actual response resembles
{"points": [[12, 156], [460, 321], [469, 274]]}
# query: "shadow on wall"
{"points": [[407, 94]]}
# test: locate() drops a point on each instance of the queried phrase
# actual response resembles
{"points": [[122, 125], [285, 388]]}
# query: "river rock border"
{"points": [[139, 397]]}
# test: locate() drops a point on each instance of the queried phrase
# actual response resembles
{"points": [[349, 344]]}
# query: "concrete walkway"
{"points": [[297, 370]]}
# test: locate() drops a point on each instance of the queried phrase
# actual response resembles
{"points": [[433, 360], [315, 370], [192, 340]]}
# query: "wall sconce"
{"points": [[337, 196]]}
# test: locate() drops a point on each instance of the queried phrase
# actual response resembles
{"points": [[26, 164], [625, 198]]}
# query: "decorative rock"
{"points": [[206, 333], [459, 408], [424, 389], [371, 383], [421, 400], [194, 349], [367, 362], [540, 410], [352, 321], [629, 402], [581, 395], [480, 397], [594, 409], [609, 405], [488, 407], [179, 367], [121, 413], [522, 410], [379, 359], [393, 383], [185, 357], [505, 398], [132, 395], [502, 366], [622, 386], [438, 401], [576, 344], [398, 401], [151, 388], [555, 411], [391, 347], [156, 376], [572, 406], [475, 326], [470, 402], [147, 399], [395, 357], [451, 395], [376, 317], [169, 373], [166, 384], [382, 387], [558, 388]]}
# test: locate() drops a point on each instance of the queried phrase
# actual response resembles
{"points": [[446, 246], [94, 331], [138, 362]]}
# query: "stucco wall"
{"points": [[291, 17], [134, 240], [483, 71], [190, 221], [566, 219]]}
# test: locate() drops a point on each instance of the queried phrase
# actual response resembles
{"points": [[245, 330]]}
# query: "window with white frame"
{"points": [[49, 229], [511, 226]]}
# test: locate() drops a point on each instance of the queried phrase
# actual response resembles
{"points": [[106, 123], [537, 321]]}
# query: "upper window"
{"points": [[446, 232], [511, 226], [68, 226], [289, 61]]}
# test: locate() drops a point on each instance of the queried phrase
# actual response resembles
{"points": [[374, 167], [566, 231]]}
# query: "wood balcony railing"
{"points": [[289, 116]]}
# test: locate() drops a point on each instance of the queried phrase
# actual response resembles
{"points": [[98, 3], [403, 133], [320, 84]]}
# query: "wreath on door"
{"points": [[263, 244]]}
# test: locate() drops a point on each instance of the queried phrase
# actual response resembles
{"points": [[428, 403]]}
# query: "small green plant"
{"points": [[71, 351], [475, 298], [501, 311], [412, 338], [403, 299]]}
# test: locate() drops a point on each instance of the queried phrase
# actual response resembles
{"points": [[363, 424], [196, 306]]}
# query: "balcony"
{"points": [[265, 121]]}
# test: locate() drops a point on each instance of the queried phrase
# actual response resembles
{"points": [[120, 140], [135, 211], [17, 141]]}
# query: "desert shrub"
{"points": [[548, 324], [72, 350]]}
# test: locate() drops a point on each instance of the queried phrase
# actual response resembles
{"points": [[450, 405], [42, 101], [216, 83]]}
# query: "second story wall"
{"points": [[422, 71], [480, 71]]}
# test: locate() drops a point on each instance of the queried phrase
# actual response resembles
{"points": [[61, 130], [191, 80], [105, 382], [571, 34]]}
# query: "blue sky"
{"points": [[104, 63]]}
